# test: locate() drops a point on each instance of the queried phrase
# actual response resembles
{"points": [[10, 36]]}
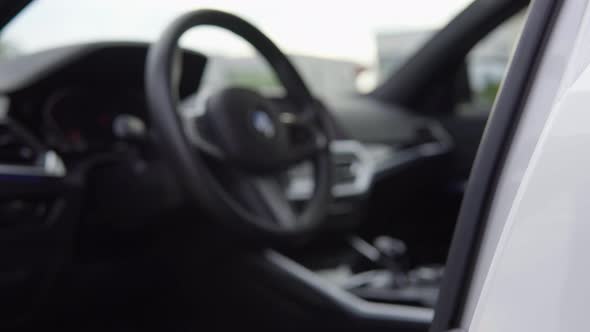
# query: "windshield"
{"points": [[340, 47]]}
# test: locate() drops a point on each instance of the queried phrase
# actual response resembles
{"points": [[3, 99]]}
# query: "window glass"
{"points": [[340, 47], [488, 61]]}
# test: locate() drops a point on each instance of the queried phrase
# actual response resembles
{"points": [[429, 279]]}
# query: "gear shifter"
{"points": [[386, 252], [392, 251], [389, 279]]}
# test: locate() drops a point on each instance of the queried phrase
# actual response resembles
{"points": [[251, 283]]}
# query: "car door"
{"points": [[517, 258]]}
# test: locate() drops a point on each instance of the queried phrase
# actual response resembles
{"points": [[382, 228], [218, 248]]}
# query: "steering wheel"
{"points": [[233, 157]]}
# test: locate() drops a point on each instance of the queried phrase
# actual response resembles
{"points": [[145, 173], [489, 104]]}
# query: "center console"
{"points": [[366, 278], [312, 286]]}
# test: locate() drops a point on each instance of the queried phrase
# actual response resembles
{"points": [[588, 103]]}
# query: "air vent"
{"points": [[15, 149], [345, 167], [352, 170]]}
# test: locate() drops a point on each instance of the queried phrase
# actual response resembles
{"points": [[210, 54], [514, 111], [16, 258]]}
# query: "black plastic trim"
{"points": [[9, 9], [318, 293], [445, 52], [21, 72], [489, 162]]}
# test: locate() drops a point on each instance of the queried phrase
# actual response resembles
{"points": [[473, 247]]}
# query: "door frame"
{"points": [[489, 162]]}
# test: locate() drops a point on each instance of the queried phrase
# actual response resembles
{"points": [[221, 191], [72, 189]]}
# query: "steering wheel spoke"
{"points": [[194, 129], [306, 136], [264, 196], [275, 199], [305, 142]]}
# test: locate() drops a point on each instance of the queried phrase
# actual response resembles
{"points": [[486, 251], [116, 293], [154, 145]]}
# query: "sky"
{"points": [[342, 29]]}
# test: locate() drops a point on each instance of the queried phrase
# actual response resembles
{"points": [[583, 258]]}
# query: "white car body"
{"points": [[531, 272]]}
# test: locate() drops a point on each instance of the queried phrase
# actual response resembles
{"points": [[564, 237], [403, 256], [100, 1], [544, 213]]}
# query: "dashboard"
{"points": [[88, 100], [80, 100], [76, 149]]}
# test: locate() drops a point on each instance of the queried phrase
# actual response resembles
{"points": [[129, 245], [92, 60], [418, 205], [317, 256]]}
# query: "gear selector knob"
{"points": [[390, 247]]}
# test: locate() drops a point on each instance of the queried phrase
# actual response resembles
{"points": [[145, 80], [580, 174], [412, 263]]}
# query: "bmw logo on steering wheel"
{"points": [[263, 124]]}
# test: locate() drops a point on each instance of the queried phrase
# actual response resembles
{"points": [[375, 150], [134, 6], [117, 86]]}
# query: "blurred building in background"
{"points": [[332, 77], [394, 48], [326, 77]]}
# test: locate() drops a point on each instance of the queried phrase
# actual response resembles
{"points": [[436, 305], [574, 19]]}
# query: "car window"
{"points": [[487, 64], [340, 47]]}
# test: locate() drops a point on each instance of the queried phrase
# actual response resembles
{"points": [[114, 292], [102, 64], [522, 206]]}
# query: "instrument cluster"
{"points": [[81, 121]]}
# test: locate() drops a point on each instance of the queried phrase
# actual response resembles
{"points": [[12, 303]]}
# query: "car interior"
{"points": [[134, 198]]}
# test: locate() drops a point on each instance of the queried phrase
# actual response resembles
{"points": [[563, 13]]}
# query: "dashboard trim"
{"points": [[346, 301], [374, 161], [51, 165]]}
